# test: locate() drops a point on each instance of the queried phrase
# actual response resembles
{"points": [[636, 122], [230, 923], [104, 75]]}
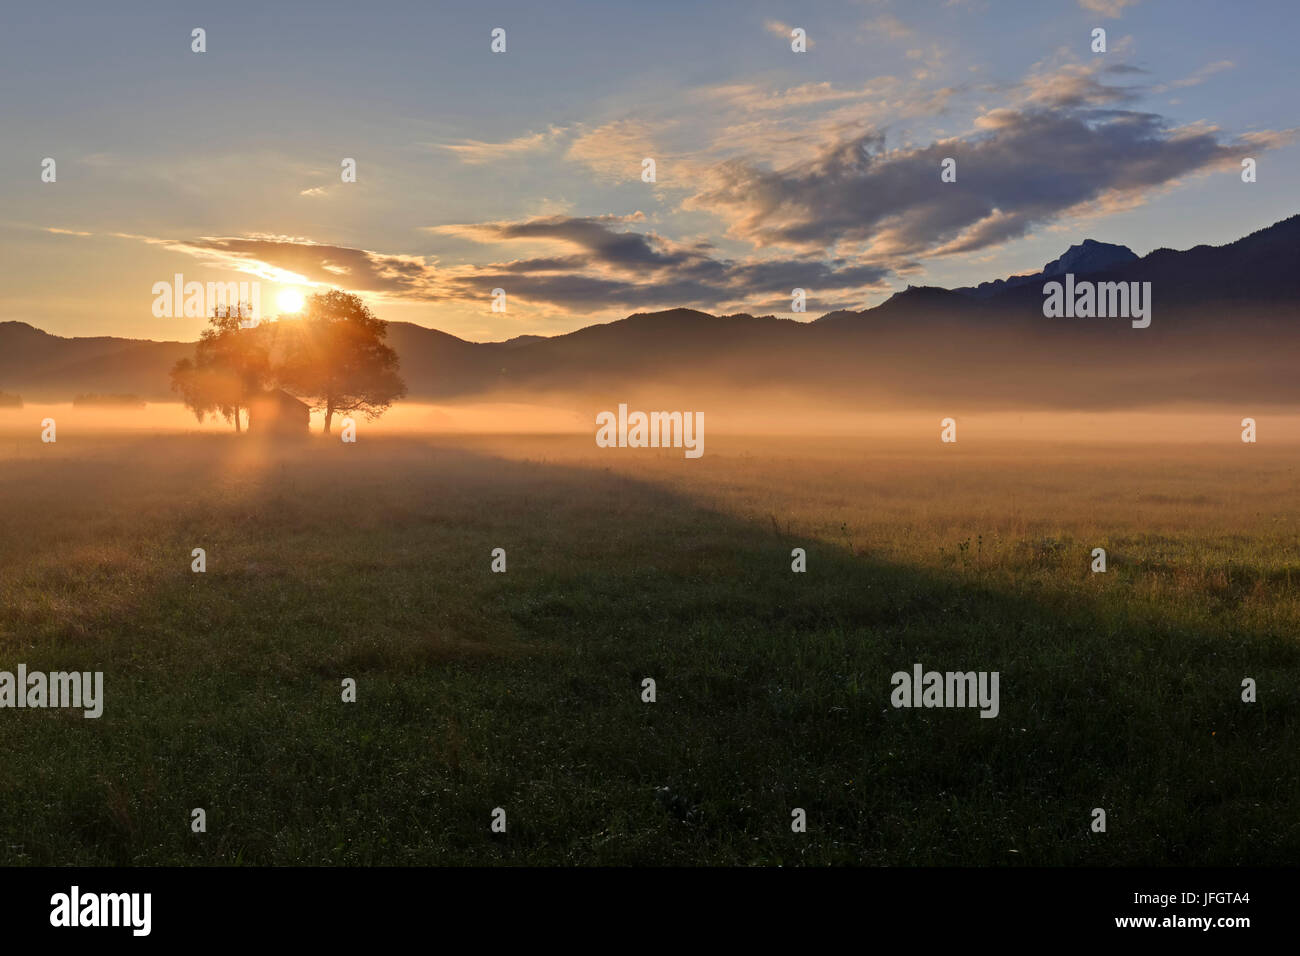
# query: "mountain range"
{"points": [[1085, 258], [1224, 328]]}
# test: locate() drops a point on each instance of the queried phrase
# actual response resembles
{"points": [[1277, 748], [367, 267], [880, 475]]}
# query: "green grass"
{"points": [[522, 690]]}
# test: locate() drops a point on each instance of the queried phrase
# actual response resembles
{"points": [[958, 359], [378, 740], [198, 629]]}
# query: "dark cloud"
{"points": [[1021, 168], [614, 266], [354, 269], [606, 266]]}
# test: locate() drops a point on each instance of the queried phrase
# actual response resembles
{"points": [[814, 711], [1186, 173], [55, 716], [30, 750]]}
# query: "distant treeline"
{"points": [[114, 401], [10, 401]]}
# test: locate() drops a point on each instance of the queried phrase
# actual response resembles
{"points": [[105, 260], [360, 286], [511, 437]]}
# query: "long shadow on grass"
{"points": [[523, 690]]}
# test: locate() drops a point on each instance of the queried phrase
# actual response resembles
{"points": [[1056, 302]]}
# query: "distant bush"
{"points": [[114, 401], [10, 401]]}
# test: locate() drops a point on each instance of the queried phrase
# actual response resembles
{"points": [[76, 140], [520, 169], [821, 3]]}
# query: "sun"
{"points": [[290, 300]]}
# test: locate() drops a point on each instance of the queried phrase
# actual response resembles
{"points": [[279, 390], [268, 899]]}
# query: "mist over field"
{"points": [[773, 414]]}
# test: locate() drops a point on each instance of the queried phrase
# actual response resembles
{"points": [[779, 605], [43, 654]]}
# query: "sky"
{"points": [[524, 170]]}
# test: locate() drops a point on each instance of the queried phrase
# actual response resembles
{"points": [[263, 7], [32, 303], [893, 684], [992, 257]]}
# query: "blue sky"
{"points": [[522, 170]]}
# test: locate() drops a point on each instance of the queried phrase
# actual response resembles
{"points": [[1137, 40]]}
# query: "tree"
{"points": [[339, 361], [230, 366]]}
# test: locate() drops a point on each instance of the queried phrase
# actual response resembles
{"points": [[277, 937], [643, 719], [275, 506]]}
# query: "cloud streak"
{"points": [[474, 152]]}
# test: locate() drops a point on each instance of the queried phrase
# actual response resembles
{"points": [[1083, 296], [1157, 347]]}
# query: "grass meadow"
{"points": [[522, 690]]}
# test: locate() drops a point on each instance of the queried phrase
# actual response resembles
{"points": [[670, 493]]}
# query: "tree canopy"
{"points": [[339, 361], [334, 358], [230, 366]]}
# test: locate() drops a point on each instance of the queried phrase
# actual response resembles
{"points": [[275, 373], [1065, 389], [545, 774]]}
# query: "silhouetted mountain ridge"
{"points": [[1086, 257], [922, 344]]}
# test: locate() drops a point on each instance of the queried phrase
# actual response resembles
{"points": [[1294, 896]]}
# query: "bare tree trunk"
{"points": [[237, 428], [329, 415]]}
